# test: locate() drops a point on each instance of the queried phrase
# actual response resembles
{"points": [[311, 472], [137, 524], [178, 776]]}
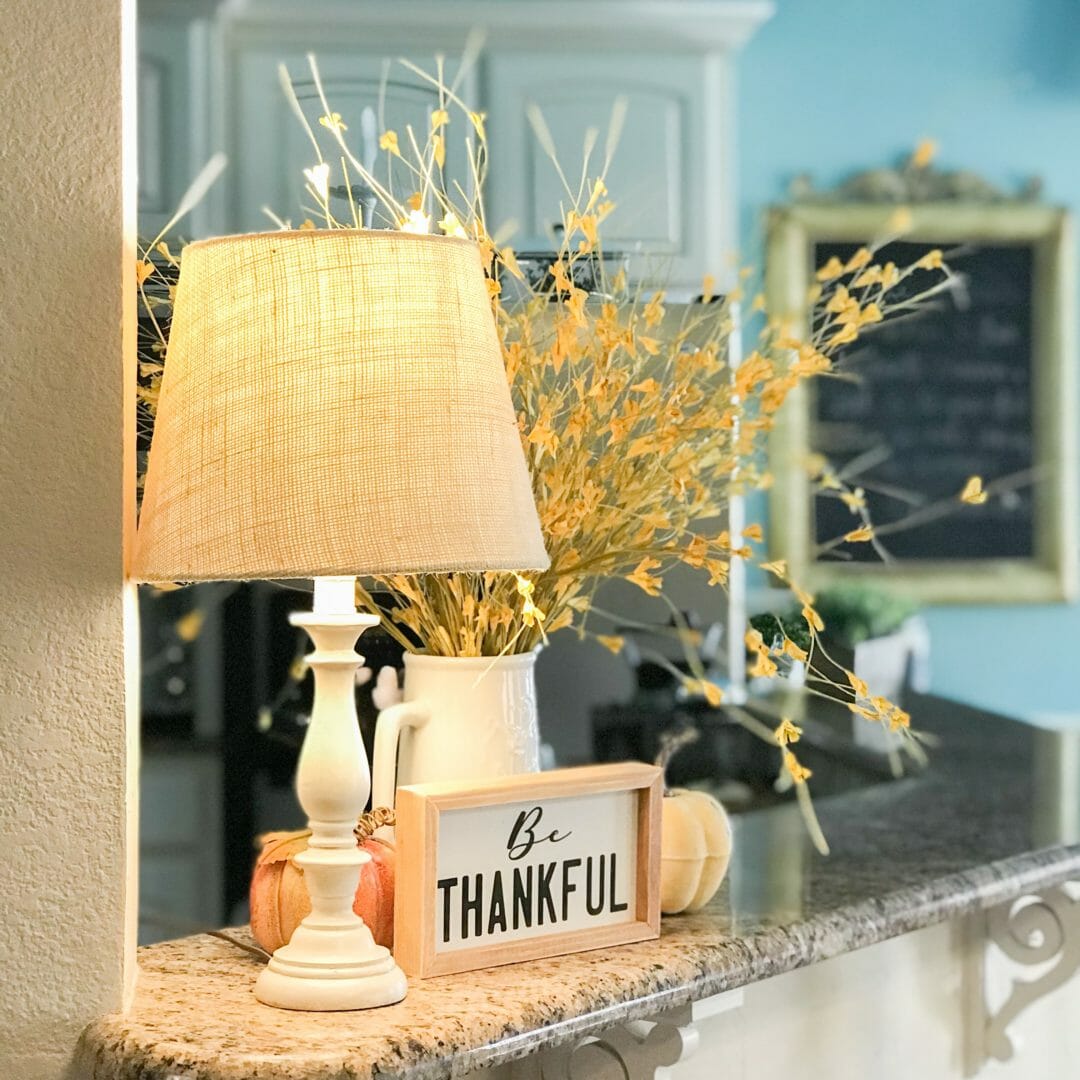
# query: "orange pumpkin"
{"points": [[279, 897]]}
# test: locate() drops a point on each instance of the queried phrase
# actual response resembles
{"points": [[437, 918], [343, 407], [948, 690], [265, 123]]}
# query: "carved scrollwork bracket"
{"points": [[1033, 931], [1041, 930], [635, 1050], [632, 1051]]}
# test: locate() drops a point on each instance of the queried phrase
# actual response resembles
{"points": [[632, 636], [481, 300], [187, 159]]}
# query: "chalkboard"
{"points": [[982, 385], [932, 400]]}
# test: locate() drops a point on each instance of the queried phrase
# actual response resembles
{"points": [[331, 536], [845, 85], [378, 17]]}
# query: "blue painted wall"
{"points": [[834, 86]]}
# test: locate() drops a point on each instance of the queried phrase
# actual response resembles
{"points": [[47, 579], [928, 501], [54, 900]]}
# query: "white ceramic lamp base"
{"points": [[368, 979], [332, 962]]}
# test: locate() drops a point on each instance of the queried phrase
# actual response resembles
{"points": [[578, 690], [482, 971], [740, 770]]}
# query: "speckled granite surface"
{"points": [[982, 825]]}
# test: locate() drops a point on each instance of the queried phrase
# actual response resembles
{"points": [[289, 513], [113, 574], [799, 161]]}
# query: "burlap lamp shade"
{"points": [[334, 402]]}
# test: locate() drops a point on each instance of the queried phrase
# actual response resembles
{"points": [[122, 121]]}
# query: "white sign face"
{"points": [[525, 869], [527, 866]]}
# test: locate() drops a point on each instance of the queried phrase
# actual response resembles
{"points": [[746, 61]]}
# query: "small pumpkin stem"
{"points": [[671, 742], [374, 819]]}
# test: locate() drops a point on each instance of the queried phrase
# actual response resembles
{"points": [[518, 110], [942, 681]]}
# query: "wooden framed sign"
{"points": [[527, 866]]}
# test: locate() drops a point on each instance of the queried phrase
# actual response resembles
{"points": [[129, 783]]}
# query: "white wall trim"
{"points": [[698, 25]]}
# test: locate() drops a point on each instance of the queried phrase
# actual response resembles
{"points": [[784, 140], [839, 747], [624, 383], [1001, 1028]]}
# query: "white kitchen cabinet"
{"points": [[270, 149], [176, 45], [215, 85], [180, 842], [671, 176]]}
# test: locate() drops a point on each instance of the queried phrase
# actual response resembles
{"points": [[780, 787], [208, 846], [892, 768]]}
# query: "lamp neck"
{"points": [[332, 778], [334, 596]]}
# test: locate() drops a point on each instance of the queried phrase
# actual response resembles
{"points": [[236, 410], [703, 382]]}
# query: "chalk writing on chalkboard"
{"points": [[984, 386], [935, 399]]}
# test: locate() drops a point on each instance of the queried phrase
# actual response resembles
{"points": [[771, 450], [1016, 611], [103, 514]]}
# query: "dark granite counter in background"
{"points": [[985, 823]]}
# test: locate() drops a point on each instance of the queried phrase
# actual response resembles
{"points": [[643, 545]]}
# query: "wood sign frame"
{"points": [[794, 232], [540, 812]]}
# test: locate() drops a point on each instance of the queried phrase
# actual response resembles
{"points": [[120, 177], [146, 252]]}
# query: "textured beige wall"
{"points": [[65, 764]]}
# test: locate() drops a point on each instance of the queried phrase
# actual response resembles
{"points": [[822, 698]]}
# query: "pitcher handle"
{"points": [[388, 728]]}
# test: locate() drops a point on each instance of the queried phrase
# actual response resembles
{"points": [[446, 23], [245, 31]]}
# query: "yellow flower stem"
{"points": [[290, 96], [368, 602], [426, 166], [543, 136], [750, 722], [813, 826], [662, 661], [446, 93], [896, 766], [148, 307], [636, 624], [383, 193]]}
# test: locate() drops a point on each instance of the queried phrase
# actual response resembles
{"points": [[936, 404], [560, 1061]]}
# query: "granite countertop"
{"points": [[984, 824]]}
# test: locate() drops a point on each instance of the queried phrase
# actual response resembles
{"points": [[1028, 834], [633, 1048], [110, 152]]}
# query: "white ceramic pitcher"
{"points": [[462, 718]]}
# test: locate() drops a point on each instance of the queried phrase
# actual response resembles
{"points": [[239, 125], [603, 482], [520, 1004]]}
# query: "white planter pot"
{"points": [[462, 718]]}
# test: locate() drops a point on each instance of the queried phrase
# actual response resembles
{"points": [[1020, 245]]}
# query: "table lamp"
{"points": [[334, 403]]}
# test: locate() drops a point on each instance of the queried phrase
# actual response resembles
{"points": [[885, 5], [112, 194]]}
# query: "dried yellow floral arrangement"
{"points": [[637, 429]]}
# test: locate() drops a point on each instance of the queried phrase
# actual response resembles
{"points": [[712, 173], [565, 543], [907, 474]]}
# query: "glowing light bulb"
{"points": [[417, 222]]}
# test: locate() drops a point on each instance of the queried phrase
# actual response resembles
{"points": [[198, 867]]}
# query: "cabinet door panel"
{"points": [[271, 148], [646, 174], [175, 887], [175, 89], [180, 841], [660, 174], [166, 122]]}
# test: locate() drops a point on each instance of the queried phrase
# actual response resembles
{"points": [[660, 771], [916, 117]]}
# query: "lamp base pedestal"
{"points": [[331, 962], [362, 984]]}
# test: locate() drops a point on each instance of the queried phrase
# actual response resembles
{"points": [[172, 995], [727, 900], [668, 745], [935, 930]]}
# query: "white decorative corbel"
{"points": [[1041, 929], [633, 1051], [636, 1050]]}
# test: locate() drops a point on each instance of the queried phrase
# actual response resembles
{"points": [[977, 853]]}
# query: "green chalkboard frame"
{"points": [[1051, 576]]}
